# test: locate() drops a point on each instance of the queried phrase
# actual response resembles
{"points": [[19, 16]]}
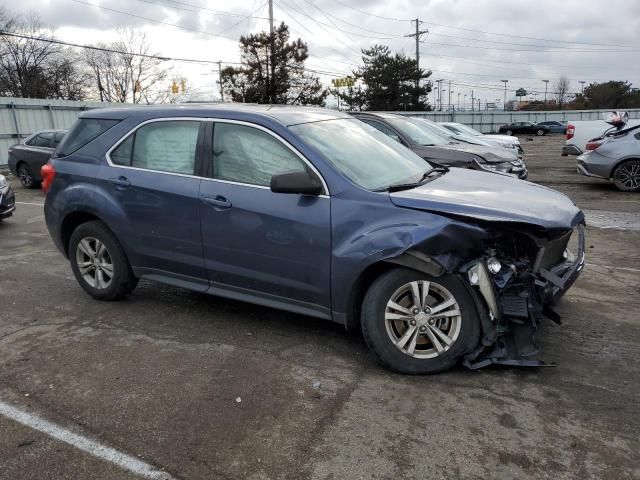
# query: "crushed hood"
{"points": [[492, 197]]}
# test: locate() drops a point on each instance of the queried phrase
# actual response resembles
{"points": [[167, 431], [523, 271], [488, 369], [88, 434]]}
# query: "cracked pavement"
{"points": [[158, 375]]}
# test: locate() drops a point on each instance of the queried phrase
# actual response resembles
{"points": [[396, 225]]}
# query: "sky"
{"points": [[474, 44]]}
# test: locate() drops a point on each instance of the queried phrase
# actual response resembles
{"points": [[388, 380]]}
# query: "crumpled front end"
{"points": [[518, 279]]}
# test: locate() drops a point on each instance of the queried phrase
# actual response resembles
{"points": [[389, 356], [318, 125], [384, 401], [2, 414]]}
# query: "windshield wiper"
{"points": [[426, 178]]}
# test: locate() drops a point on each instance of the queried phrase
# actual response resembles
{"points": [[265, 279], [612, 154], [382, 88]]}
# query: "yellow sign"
{"points": [[343, 82]]}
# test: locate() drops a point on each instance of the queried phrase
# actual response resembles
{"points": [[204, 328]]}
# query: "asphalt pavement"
{"points": [[178, 385]]}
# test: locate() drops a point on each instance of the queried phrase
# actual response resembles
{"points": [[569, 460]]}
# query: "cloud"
{"points": [[460, 47]]}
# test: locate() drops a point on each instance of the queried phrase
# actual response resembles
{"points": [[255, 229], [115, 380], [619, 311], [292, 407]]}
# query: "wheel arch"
{"points": [[621, 161], [413, 259], [72, 221]]}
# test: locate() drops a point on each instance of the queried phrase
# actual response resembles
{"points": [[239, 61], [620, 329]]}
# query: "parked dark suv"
{"points": [[311, 211]]}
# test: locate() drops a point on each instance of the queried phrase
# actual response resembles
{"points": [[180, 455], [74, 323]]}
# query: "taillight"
{"points": [[592, 145], [570, 131], [48, 173]]}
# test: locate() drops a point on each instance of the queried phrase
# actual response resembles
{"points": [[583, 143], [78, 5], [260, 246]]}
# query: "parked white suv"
{"points": [[580, 132]]}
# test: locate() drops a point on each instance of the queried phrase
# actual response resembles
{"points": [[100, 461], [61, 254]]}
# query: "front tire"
{"points": [[626, 176], [418, 324], [510, 132], [99, 262], [540, 132], [25, 175]]}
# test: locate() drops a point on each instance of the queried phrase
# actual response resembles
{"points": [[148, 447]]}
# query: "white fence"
{"points": [[20, 117]]}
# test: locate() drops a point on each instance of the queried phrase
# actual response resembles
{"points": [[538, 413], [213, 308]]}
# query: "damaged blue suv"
{"points": [[314, 212]]}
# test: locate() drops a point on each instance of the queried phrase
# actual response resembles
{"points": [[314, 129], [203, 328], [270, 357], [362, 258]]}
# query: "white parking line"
{"points": [[628, 269], [29, 203], [85, 444]]}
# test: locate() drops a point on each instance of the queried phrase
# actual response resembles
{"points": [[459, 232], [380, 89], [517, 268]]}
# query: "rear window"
{"points": [[85, 130]]}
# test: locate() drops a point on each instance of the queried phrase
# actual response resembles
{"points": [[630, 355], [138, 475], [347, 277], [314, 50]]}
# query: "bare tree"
{"points": [[561, 91], [127, 73], [35, 67]]}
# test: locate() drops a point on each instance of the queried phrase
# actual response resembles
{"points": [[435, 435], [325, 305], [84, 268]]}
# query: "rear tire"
{"points": [[25, 175], [99, 262], [626, 176], [427, 341], [540, 132]]}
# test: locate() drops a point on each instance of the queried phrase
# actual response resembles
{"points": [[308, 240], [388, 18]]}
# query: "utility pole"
{"points": [[546, 85], [418, 35], [273, 56], [439, 87], [458, 100], [504, 102], [220, 81], [473, 102], [449, 104]]}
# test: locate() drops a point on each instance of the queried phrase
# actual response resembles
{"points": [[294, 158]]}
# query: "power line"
{"points": [[372, 14], [288, 12], [545, 47], [233, 25], [215, 12], [104, 49], [555, 40], [542, 50], [385, 36]]}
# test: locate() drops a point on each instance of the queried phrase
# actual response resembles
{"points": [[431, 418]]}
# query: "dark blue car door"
{"points": [[266, 247], [151, 177]]}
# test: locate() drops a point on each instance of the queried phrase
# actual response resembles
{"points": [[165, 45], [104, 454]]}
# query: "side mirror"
{"points": [[299, 182]]}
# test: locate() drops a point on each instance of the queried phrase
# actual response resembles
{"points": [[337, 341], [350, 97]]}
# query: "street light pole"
{"points": [[458, 100], [504, 102], [546, 84]]}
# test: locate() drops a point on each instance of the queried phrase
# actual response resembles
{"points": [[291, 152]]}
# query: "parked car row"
{"points": [[425, 138], [27, 157], [352, 220]]}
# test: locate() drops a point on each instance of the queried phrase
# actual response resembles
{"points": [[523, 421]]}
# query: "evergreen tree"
{"points": [[273, 71]]}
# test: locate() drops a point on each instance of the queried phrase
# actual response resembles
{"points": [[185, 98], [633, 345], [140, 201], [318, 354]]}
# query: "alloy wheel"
{"points": [[25, 176], [509, 132], [422, 319], [540, 132], [94, 263], [627, 176]]}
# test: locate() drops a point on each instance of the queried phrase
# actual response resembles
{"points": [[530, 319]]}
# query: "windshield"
{"points": [[434, 127], [417, 132], [363, 154], [466, 130]]}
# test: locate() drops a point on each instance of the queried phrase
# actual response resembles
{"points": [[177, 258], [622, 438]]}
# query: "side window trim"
{"points": [[209, 149], [132, 134]]}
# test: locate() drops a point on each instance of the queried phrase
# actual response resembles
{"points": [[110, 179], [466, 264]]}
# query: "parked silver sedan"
{"points": [[614, 157]]}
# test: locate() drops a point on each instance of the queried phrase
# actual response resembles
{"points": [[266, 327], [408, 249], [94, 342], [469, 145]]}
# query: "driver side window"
{"points": [[248, 155]]}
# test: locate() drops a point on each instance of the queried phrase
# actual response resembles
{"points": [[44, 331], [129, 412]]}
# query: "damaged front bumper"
{"points": [[517, 300]]}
